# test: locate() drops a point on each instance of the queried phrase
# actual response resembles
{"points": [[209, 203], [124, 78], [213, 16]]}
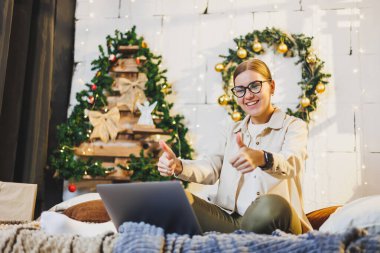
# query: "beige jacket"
{"points": [[285, 137]]}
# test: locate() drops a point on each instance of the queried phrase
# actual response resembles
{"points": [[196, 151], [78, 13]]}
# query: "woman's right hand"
{"points": [[168, 164]]}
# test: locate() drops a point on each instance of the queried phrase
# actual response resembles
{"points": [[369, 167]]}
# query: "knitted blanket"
{"points": [[140, 237], [29, 238]]}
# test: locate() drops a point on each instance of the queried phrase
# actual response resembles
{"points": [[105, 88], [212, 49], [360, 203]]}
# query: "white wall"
{"points": [[344, 143]]}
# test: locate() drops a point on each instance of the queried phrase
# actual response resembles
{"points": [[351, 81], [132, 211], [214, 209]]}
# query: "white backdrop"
{"points": [[344, 141]]}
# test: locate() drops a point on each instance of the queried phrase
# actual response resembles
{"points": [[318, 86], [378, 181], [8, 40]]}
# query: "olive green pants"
{"points": [[266, 214]]}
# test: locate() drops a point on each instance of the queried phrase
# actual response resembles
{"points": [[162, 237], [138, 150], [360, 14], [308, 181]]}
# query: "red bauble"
{"points": [[72, 187], [112, 58], [138, 61], [91, 99], [93, 87]]}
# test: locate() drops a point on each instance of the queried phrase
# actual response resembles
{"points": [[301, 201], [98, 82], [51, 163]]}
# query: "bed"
{"points": [[358, 234]]}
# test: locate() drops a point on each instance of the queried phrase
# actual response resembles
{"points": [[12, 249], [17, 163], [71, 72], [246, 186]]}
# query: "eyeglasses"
{"points": [[254, 87]]}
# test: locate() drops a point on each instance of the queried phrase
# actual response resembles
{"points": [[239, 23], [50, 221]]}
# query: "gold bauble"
{"points": [[256, 47], [223, 100], [144, 44], [242, 53], [165, 90], [236, 116], [320, 88], [219, 67], [305, 102], [311, 58], [282, 48]]}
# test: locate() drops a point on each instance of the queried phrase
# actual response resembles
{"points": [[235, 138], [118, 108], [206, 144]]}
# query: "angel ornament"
{"points": [[146, 117]]}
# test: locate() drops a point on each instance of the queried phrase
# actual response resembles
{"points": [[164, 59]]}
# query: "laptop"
{"points": [[163, 204]]}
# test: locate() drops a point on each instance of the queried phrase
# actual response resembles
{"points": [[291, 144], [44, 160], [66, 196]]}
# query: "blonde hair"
{"points": [[254, 65]]}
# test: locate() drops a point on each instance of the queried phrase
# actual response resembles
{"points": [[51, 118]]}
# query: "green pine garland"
{"points": [[77, 129], [298, 45]]}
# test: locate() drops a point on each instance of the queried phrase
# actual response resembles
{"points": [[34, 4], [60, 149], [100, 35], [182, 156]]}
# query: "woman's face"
{"points": [[258, 106]]}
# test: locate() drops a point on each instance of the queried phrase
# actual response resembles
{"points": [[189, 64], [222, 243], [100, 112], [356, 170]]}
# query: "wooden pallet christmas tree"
{"points": [[110, 133], [129, 136]]}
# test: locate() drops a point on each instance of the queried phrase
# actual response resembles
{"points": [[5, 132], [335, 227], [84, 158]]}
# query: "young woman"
{"points": [[260, 169]]}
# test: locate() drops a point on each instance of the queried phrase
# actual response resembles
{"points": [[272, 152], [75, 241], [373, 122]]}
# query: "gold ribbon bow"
{"points": [[131, 91], [105, 124]]}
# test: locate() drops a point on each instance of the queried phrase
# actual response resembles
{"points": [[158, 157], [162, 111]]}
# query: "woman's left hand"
{"points": [[247, 159]]}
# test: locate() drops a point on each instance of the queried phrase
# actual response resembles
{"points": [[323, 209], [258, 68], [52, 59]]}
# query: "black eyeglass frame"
{"points": [[247, 88]]}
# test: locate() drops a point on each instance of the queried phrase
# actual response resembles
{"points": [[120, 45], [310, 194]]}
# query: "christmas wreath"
{"points": [[313, 79]]}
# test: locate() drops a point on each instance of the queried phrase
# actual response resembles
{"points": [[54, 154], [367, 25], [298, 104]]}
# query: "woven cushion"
{"points": [[90, 211], [318, 217]]}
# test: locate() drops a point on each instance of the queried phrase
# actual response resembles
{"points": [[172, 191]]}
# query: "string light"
{"points": [[92, 15]]}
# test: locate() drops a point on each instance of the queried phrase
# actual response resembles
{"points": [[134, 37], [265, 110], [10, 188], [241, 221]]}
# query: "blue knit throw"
{"points": [[141, 237]]}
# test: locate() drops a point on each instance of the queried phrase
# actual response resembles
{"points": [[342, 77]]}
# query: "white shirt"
{"points": [[249, 192]]}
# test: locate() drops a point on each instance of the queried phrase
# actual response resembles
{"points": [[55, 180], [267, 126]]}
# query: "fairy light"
{"points": [[197, 125], [199, 88], [86, 29], [82, 43], [92, 15], [363, 167], [355, 71], [194, 109], [126, 16]]}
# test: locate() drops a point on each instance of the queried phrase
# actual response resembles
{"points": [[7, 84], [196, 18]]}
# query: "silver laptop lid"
{"points": [[163, 204]]}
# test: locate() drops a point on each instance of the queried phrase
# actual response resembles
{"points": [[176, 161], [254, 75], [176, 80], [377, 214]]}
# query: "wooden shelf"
{"points": [[117, 148]]}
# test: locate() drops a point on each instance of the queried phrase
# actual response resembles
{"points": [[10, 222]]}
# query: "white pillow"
{"points": [[361, 213], [74, 201]]}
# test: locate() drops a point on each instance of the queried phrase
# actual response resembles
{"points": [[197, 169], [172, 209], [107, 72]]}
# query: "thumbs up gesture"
{"points": [[168, 164], [247, 159]]}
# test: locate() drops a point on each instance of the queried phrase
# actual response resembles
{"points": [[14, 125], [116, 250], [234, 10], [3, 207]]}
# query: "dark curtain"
{"points": [[36, 52]]}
